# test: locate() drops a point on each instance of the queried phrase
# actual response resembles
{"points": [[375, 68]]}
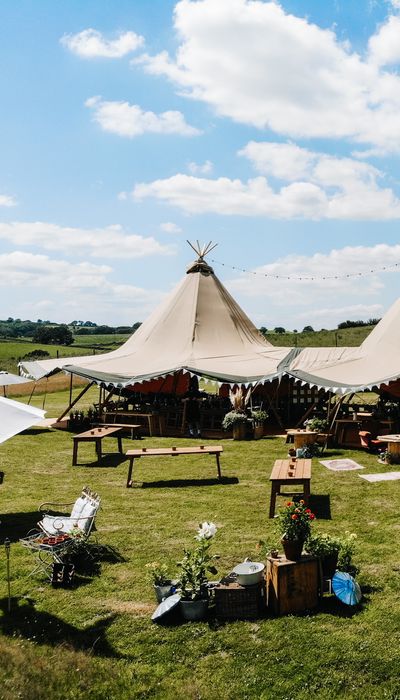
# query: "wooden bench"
{"points": [[171, 452], [95, 435], [289, 472]]}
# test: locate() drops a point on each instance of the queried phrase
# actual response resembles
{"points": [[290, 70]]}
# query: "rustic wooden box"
{"points": [[235, 602], [292, 586]]}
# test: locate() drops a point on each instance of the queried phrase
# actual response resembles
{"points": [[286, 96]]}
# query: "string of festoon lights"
{"points": [[385, 268]]}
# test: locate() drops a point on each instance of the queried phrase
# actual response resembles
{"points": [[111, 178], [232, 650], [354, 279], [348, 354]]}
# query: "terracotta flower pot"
{"points": [[292, 549]]}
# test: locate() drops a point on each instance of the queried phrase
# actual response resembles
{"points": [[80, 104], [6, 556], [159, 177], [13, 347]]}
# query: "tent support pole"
{"points": [[32, 392], [335, 415], [84, 390], [307, 413], [70, 389]]}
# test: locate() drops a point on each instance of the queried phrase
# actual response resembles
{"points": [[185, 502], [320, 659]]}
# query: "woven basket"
{"points": [[235, 602]]}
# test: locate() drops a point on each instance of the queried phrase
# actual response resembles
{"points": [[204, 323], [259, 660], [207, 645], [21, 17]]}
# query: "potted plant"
{"points": [[347, 549], [195, 566], [321, 425], [161, 580], [259, 417], [294, 525], [235, 421], [327, 549]]}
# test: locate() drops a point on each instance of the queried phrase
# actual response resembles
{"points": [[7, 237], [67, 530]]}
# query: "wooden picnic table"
{"points": [[171, 452], [289, 472], [95, 435]]}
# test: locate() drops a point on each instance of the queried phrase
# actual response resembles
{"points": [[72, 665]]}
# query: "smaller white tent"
{"points": [[16, 417]]}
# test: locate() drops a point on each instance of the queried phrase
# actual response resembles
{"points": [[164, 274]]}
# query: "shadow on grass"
{"points": [[26, 621], [320, 506], [88, 559], [17, 525], [33, 431], [108, 461], [178, 483]]}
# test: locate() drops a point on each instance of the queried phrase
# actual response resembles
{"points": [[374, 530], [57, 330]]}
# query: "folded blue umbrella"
{"points": [[346, 588]]}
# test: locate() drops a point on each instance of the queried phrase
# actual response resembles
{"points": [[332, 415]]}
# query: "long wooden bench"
{"points": [[171, 452]]}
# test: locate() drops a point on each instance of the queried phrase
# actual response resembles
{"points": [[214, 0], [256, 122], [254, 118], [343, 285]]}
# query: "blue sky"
{"points": [[269, 128]]}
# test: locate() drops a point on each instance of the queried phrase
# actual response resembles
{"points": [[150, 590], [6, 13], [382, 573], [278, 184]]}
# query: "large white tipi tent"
{"points": [[198, 329]]}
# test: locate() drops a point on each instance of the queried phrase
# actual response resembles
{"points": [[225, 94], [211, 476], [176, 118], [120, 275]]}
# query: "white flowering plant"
{"points": [[197, 563]]}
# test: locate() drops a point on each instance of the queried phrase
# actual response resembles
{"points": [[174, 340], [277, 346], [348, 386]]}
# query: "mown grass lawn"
{"points": [[97, 640]]}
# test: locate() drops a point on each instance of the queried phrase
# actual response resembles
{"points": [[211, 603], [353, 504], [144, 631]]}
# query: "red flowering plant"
{"points": [[294, 521]]}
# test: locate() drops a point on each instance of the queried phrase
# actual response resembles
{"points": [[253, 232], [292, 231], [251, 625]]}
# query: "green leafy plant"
{"points": [[320, 544], [197, 563], [347, 549], [294, 521], [158, 573], [259, 416], [308, 451], [232, 419], [319, 424]]}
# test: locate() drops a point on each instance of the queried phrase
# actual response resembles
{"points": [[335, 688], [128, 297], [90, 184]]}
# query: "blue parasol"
{"points": [[346, 588]]}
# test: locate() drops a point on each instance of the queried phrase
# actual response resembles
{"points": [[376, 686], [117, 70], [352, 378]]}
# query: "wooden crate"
{"points": [[235, 602], [292, 586]]}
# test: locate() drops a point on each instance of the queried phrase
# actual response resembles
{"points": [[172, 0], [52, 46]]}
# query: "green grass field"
{"points": [[97, 640]]}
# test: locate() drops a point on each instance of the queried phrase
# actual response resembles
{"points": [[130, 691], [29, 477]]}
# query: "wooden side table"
{"points": [[289, 472]]}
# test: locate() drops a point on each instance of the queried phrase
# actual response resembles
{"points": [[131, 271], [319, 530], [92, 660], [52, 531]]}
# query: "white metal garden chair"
{"points": [[79, 522]]}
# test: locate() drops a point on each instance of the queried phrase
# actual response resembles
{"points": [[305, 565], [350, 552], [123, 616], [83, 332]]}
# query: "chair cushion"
{"points": [[78, 506], [86, 516], [56, 524]]}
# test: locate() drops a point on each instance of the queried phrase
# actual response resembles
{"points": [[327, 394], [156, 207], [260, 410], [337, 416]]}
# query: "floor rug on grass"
{"points": [[387, 476], [340, 465]]}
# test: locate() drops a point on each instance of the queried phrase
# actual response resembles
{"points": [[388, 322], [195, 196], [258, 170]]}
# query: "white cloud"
{"points": [[87, 291], [91, 44], [281, 72], [109, 242], [320, 186], [353, 297], [200, 168], [170, 227], [384, 46], [7, 201], [129, 120]]}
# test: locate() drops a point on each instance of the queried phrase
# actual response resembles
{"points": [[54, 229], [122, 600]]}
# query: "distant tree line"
{"points": [[47, 332], [309, 329], [354, 324]]}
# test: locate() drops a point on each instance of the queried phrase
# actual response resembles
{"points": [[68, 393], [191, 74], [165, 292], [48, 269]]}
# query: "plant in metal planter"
{"points": [[347, 549], [195, 566], [327, 549], [294, 524], [161, 579]]}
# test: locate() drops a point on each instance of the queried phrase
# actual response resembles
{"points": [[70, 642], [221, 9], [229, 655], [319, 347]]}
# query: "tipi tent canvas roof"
{"points": [[342, 370], [199, 328]]}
